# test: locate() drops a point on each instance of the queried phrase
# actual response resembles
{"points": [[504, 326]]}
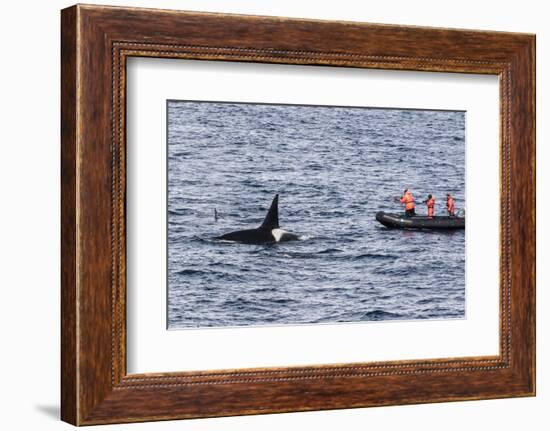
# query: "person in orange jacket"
{"points": [[450, 205], [430, 203], [408, 200]]}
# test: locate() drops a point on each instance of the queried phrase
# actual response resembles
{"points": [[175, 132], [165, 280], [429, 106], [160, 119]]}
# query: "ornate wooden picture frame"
{"points": [[96, 41]]}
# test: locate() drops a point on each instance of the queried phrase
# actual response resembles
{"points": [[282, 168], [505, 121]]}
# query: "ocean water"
{"points": [[334, 168]]}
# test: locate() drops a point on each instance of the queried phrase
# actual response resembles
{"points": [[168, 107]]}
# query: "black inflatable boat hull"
{"points": [[400, 221]]}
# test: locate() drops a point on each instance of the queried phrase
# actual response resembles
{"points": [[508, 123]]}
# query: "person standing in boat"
{"points": [[408, 200], [430, 203], [450, 205]]}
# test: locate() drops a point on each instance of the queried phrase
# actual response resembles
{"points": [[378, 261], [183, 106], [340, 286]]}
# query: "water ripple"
{"points": [[334, 168]]}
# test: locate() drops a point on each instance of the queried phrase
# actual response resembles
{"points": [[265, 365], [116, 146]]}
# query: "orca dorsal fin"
{"points": [[271, 220]]}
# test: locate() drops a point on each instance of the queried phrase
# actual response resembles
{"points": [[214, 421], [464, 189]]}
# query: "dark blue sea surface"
{"points": [[334, 168]]}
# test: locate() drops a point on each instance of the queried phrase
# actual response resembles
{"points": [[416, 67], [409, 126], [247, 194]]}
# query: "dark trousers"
{"points": [[410, 213]]}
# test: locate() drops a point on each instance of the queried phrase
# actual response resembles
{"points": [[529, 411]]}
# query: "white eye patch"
{"points": [[278, 234]]}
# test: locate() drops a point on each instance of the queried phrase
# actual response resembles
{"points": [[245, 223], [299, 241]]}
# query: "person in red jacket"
{"points": [[450, 205], [430, 203], [408, 200]]}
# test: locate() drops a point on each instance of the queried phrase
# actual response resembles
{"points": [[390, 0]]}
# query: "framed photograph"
{"points": [[264, 214]]}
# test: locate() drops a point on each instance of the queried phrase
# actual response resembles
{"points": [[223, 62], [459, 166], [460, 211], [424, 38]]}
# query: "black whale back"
{"points": [[271, 220], [263, 233]]}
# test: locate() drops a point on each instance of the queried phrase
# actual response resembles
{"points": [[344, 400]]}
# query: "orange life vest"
{"points": [[408, 200], [431, 206], [450, 205]]}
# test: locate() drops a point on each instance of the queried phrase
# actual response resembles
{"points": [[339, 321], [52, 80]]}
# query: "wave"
{"points": [[330, 251], [190, 272], [180, 211], [428, 301], [375, 256], [381, 315]]}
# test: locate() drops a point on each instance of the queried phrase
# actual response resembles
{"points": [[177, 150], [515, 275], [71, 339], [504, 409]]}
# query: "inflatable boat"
{"points": [[401, 221]]}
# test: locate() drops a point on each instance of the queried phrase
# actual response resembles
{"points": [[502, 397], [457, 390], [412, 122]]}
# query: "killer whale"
{"points": [[268, 231]]}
